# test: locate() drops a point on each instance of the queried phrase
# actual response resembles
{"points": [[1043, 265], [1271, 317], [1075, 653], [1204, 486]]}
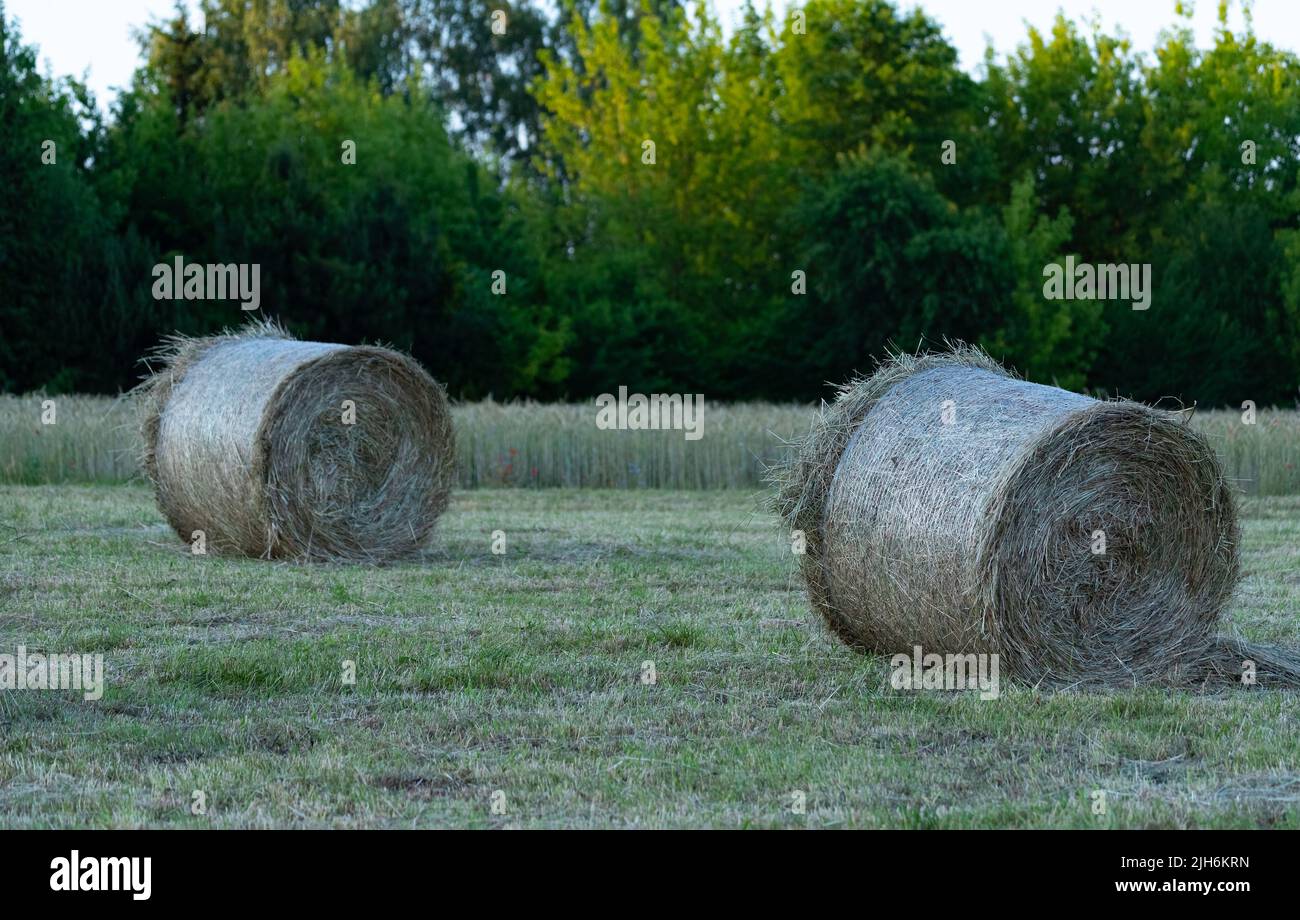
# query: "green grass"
{"points": [[529, 445], [523, 673]]}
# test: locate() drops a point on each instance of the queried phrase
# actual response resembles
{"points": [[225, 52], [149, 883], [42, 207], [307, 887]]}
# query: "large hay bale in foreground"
{"points": [[947, 504], [246, 440]]}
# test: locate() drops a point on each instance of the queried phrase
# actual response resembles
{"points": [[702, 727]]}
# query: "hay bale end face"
{"points": [[278, 448], [947, 504]]}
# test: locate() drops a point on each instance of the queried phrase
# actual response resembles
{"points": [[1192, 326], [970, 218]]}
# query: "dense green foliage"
{"points": [[625, 193]]}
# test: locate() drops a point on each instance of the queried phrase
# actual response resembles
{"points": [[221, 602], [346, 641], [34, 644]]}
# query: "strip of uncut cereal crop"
{"points": [[536, 445]]}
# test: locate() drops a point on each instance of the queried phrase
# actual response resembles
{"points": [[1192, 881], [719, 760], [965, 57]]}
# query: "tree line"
{"points": [[548, 203]]}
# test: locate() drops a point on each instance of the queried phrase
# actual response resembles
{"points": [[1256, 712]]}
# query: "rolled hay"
{"points": [[947, 504], [279, 448]]}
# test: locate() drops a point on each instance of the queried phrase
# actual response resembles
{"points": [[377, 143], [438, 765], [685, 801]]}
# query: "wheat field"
{"points": [[535, 445]]}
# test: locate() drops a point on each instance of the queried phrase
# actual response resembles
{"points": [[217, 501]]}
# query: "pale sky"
{"points": [[93, 37]]}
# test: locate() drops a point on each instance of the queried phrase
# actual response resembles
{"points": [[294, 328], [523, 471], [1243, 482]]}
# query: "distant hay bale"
{"points": [[245, 440], [948, 504]]}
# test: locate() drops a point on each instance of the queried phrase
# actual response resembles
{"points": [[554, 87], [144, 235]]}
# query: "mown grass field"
{"points": [[522, 674]]}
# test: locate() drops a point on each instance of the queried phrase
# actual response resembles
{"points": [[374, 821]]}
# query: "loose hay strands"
{"points": [[245, 441], [948, 504]]}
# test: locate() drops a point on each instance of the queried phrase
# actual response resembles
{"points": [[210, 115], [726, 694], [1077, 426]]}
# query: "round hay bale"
{"points": [[948, 504], [246, 439]]}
